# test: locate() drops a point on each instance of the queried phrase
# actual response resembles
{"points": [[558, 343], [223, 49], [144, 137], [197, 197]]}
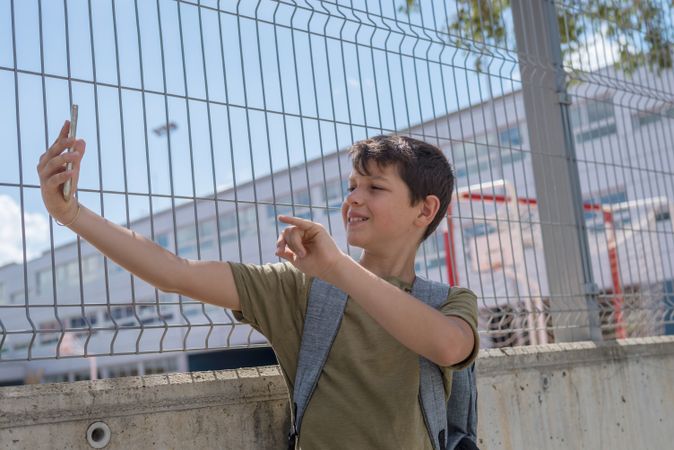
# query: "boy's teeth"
{"points": [[358, 219]]}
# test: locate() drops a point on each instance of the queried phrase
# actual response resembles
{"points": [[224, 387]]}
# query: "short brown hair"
{"points": [[422, 167]]}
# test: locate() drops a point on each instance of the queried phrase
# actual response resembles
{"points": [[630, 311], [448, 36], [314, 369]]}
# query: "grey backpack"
{"points": [[447, 423]]}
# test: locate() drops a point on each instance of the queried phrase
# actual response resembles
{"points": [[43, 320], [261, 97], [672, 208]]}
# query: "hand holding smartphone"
{"points": [[67, 186]]}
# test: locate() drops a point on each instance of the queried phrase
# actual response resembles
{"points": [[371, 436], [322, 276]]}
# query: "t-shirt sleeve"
{"points": [[272, 298], [462, 302]]}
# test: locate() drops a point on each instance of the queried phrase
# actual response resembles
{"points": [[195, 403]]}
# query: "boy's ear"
{"points": [[428, 210]]}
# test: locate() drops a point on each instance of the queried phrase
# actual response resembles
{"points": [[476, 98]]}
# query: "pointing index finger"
{"points": [[302, 224]]}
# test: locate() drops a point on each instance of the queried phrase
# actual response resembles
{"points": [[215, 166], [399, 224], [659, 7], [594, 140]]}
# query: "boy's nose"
{"points": [[353, 197]]}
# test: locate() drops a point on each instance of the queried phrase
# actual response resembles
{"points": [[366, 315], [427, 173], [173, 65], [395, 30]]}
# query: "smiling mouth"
{"points": [[357, 219]]}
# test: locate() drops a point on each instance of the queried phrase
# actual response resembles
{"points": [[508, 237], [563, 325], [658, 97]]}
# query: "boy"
{"points": [[368, 392]]}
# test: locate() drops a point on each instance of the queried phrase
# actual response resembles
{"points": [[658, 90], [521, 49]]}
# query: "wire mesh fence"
{"points": [[205, 120]]}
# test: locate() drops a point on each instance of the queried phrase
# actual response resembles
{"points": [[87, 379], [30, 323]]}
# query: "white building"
{"points": [[624, 153]]}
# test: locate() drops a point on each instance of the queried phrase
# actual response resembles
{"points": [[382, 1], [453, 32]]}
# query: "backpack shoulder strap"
{"points": [[447, 423], [325, 309], [431, 386], [462, 407]]}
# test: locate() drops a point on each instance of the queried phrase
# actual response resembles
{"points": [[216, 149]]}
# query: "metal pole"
{"points": [[450, 251], [618, 301], [567, 257]]}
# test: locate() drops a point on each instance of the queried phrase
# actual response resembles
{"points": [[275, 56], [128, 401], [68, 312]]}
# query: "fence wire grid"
{"points": [[206, 120]]}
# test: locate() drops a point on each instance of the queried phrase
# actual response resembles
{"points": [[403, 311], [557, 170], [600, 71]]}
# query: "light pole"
{"points": [[160, 131]]}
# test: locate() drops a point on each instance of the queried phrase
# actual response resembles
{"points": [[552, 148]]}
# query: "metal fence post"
{"points": [[573, 301]]}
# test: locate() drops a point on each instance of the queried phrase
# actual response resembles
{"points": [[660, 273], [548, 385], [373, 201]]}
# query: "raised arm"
{"points": [[207, 281], [444, 340]]}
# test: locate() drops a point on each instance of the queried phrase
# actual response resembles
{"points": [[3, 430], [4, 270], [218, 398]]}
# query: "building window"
{"points": [[56, 378], [206, 244], [114, 268], [187, 240], [186, 235], [123, 371], [119, 312], [510, 157], [156, 366], [663, 216], [432, 262], [21, 346], [162, 239], [227, 222], [599, 110], [247, 219], [77, 322], [335, 192], [469, 157], [146, 309], [479, 229], [90, 267], [596, 133], [43, 281], [283, 206], [16, 298], [510, 137], [575, 116], [645, 118], [49, 332], [206, 229], [303, 198], [67, 274], [80, 376], [230, 236], [593, 120]]}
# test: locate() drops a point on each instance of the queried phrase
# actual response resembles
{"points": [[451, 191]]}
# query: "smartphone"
{"points": [[67, 186]]}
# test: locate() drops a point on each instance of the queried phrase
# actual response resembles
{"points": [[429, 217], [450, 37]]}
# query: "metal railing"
{"points": [[205, 120]]}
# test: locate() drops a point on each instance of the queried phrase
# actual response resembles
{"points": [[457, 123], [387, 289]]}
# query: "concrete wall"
{"points": [[561, 396], [229, 409], [615, 395]]}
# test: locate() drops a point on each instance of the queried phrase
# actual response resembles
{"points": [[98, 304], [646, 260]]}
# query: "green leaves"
{"points": [[636, 30]]}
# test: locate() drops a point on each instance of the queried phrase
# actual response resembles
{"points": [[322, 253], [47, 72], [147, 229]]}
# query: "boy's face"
{"points": [[377, 212]]}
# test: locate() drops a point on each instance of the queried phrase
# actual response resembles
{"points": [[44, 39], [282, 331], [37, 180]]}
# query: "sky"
{"points": [[275, 95]]}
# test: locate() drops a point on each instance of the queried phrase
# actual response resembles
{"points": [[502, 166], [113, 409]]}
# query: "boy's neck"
{"points": [[389, 265]]}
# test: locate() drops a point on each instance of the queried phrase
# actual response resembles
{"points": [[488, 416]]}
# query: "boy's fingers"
{"points": [[292, 238], [65, 129], [289, 256], [282, 248], [280, 244], [58, 161], [48, 164], [63, 134], [56, 149], [295, 243], [80, 147], [59, 178], [298, 222]]}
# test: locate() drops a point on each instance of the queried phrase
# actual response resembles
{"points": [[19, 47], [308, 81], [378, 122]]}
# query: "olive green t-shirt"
{"points": [[367, 396]]}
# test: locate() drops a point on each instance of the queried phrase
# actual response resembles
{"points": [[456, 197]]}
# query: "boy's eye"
{"points": [[373, 187]]}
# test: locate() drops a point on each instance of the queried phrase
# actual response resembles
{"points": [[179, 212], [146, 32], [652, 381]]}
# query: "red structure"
{"points": [[607, 215]]}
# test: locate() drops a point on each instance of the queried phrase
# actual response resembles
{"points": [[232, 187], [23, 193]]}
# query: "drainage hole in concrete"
{"points": [[98, 434]]}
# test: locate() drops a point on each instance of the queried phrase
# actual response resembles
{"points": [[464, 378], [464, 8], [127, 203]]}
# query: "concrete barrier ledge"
{"points": [[494, 361], [83, 400], [614, 395]]}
